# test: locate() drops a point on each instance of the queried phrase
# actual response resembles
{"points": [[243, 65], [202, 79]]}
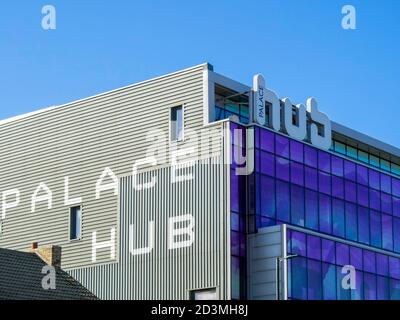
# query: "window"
{"points": [[207, 294], [75, 223], [177, 123]]}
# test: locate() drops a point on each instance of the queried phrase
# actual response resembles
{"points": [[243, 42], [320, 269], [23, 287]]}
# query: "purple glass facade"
{"points": [[303, 186], [316, 273], [296, 184]]}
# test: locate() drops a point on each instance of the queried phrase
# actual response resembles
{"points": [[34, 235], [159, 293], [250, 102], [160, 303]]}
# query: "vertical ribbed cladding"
{"points": [[164, 273], [80, 140]]}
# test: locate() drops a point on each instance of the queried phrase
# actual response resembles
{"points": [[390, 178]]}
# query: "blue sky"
{"points": [[299, 46]]}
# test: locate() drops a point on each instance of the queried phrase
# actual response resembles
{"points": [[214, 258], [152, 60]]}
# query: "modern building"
{"points": [[195, 186]]}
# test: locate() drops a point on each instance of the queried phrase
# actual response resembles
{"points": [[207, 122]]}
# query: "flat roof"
{"points": [[336, 127], [235, 85]]}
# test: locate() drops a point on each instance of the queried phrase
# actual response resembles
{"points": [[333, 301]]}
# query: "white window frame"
{"points": [[182, 105], [194, 291], [70, 225]]}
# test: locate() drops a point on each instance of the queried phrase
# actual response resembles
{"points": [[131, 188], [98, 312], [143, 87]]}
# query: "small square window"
{"points": [[176, 122], [75, 223], [207, 294]]}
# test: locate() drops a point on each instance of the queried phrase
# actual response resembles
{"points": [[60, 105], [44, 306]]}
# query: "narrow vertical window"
{"points": [[75, 223], [177, 123]]}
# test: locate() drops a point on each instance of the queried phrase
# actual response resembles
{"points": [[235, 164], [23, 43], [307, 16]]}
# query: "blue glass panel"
{"points": [[257, 137], [342, 294], [386, 203], [329, 281], [234, 191], [374, 179], [349, 170], [282, 201], [234, 221], [394, 289], [387, 232], [297, 173], [337, 166], [296, 151], [369, 286], [337, 187], [356, 258], [342, 254], [235, 277], [311, 209], [351, 152], [363, 225], [297, 205], [382, 264], [385, 183], [362, 175], [350, 191], [310, 156], [351, 221], [358, 292], [338, 218], [257, 159], [362, 195], [396, 187], [396, 234], [267, 163], [266, 222], [299, 278], [267, 140], [267, 197], [282, 146], [235, 243], [396, 206], [369, 261], [311, 178], [324, 182], [324, 161], [243, 245], [314, 280], [374, 199], [313, 247], [282, 168], [325, 218], [328, 251], [394, 267], [383, 289], [376, 229], [298, 243]]}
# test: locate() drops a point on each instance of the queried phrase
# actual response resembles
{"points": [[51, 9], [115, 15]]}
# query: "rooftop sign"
{"points": [[300, 122]]}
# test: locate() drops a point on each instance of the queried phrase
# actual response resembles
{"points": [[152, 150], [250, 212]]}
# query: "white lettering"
{"points": [[8, 205], [150, 245], [46, 197], [102, 245], [176, 232], [67, 200], [108, 186]]}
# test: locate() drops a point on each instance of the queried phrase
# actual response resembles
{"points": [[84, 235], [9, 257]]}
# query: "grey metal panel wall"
{"points": [[164, 273], [263, 248], [79, 140]]}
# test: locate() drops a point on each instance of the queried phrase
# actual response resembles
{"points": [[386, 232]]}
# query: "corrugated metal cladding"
{"points": [[164, 273], [263, 249], [80, 140]]}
